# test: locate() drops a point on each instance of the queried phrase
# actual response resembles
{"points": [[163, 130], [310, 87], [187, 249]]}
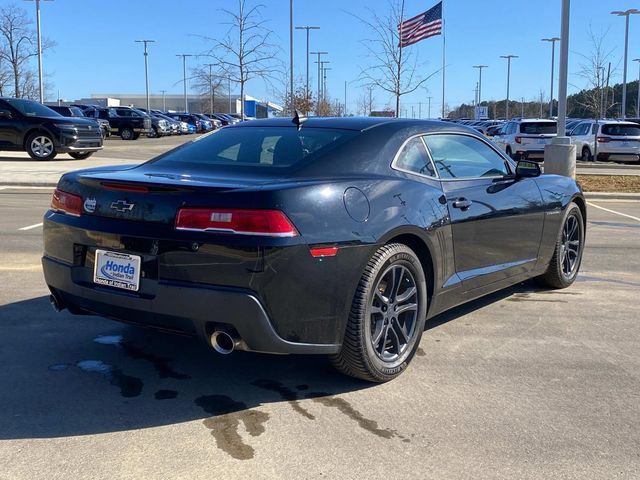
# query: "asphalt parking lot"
{"points": [[527, 383]]}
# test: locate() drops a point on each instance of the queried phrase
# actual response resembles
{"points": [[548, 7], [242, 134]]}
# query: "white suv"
{"points": [[611, 139], [526, 138]]}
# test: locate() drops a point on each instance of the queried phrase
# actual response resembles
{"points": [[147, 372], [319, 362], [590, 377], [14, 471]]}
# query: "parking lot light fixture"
{"points": [[638, 97], [40, 75], [553, 41], [319, 77], [508, 57], [626, 14], [146, 68], [211, 92], [480, 67], [307, 28], [184, 78], [164, 103]]}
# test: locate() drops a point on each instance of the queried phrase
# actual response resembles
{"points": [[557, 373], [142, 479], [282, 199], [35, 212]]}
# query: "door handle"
{"points": [[462, 203]]}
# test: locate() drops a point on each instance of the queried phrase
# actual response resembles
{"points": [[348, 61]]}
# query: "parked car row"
{"points": [[525, 138]]}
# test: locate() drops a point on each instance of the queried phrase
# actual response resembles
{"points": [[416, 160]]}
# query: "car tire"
{"points": [[153, 133], [378, 342], [40, 146], [586, 154], [126, 133], [563, 269], [509, 152], [80, 155], [136, 136]]}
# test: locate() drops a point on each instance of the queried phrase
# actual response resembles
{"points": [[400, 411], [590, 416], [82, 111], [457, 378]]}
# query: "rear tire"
{"points": [[567, 255], [126, 133], [586, 154], [40, 146], [80, 155], [387, 316]]}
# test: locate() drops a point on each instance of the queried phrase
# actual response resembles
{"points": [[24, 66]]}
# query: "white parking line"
{"points": [[613, 211], [29, 227]]}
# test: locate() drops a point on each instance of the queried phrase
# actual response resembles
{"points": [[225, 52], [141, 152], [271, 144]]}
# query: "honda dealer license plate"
{"points": [[118, 270]]}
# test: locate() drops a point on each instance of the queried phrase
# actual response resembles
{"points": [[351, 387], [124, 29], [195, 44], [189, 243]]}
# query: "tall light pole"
{"points": [[184, 78], [40, 74], [291, 92], [480, 67], [638, 99], [508, 57], [626, 14], [307, 28], [324, 81], [146, 67], [553, 41], [429, 108], [210, 65], [164, 103], [319, 77]]}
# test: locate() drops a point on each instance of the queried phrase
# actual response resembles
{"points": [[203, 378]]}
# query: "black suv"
{"points": [[71, 111], [29, 126], [128, 122]]}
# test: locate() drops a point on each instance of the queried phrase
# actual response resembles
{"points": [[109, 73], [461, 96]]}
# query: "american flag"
{"points": [[421, 26]]}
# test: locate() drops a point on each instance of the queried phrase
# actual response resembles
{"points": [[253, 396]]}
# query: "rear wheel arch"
{"points": [[422, 250]]}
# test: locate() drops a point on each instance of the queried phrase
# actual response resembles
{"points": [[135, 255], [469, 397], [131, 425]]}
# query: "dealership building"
{"points": [[253, 107]]}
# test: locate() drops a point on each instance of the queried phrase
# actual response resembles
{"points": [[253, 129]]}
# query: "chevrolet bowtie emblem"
{"points": [[122, 206]]}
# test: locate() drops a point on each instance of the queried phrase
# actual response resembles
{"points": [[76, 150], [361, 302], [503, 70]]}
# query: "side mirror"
{"points": [[528, 169], [5, 114]]}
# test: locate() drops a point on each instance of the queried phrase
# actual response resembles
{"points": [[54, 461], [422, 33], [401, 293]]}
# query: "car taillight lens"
{"points": [[66, 203], [518, 139], [603, 139], [272, 223]]}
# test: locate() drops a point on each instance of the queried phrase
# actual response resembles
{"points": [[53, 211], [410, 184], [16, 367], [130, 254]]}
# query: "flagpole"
{"points": [[443, 58]]}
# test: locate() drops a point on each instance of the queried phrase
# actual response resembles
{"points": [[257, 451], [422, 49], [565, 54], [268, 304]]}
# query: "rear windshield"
{"points": [[621, 130], [538, 128], [258, 148]]}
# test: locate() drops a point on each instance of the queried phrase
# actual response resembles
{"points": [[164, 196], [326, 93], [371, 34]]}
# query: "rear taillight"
{"points": [[271, 223], [66, 203], [518, 139], [603, 139]]}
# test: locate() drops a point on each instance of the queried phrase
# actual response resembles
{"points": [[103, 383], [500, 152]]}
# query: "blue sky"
{"points": [[96, 52]]}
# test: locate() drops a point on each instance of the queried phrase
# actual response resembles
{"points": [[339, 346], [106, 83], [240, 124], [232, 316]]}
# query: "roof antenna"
{"points": [[298, 119]]}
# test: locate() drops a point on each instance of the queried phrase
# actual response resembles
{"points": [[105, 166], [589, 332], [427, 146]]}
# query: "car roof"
{"points": [[351, 123]]}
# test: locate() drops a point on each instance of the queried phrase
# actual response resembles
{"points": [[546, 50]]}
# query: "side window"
{"points": [[462, 156], [414, 158], [594, 129], [511, 128], [581, 129]]}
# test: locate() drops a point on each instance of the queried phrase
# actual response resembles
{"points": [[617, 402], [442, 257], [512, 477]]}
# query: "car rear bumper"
{"points": [[186, 308]]}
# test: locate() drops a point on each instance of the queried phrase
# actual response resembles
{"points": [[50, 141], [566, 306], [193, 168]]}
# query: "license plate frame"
{"points": [[117, 270]]}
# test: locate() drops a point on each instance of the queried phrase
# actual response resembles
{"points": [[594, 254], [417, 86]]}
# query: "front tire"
{"points": [[126, 133], [80, 155], [387, 316], [567, 256], [40, 146]]}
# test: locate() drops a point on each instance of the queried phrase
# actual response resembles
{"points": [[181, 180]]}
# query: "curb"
{"points": [[611, 196], [612, 166]]}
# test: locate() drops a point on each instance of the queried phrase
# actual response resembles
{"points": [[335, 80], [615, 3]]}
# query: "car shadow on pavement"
{"points": [[64, 375]]}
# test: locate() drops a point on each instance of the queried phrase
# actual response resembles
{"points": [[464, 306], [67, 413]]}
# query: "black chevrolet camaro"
{"points": [[336, 236]]}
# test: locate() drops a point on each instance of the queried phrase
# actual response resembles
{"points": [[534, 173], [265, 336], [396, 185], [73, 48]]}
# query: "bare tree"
{"points": [[18, 45], [365, 101], [246, 52], [208, 83], [394, 69], [593, 69]]}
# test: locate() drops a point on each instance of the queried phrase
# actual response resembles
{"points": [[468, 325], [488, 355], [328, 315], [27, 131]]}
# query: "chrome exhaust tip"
{"points": [[56, 303], [223, 342]]}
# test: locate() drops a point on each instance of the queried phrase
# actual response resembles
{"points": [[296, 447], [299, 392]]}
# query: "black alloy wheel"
{"points": [[387, 316], [567, 256]]}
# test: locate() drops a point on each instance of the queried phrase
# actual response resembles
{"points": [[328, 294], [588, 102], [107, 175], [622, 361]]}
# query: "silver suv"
{"points": [[526, 138], [608, 139]]}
